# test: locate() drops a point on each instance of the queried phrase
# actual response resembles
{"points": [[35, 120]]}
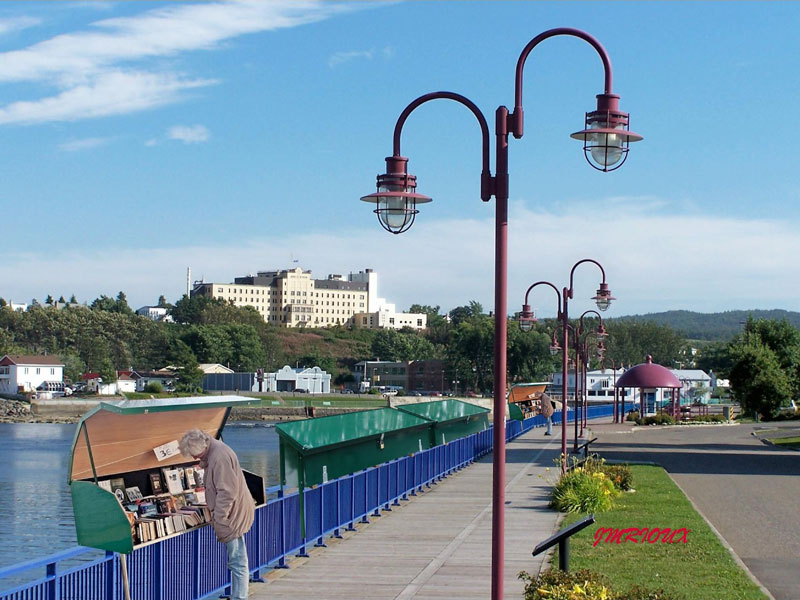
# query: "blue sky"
{"points": [[141, 138]]}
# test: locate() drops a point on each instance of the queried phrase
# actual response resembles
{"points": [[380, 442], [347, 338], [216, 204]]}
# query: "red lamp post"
{"points": [[581, 367], [526, 318], [605, 138]]}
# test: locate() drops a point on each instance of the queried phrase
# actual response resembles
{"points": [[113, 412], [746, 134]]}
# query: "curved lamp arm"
{"points": [[575, 266], [558, 294], [486, 175], [517, 115]]}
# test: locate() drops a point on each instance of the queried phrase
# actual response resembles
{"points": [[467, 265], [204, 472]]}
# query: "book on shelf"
{"points": [[199, 477], [200, 495], [133, 493], [188, 474], [117, 483], [155, 483], [172, 479], [106, 485]]}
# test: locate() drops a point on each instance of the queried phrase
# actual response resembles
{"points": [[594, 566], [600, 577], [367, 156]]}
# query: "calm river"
{"points": [[35, 502]]}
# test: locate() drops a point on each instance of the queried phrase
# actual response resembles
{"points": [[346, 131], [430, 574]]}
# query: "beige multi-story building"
{"points": [[291, 298]]}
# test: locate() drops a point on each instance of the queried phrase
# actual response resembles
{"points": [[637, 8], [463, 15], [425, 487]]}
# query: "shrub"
{"points": [[558, 585], [583, 490], [582, 585], [154, 387], [620, 475], [661, 419], [632, 416], [708, 419]]}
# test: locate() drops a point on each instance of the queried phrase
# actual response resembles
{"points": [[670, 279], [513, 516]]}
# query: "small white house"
{"points": [[155, 313], [20, 374], [287, 379], [697, 386], [213, 368]]}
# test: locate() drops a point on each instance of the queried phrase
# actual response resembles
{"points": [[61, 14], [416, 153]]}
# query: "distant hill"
{"points": [[712, 326]]}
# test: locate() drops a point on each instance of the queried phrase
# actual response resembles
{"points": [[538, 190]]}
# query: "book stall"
{"points": [[130, 484]]}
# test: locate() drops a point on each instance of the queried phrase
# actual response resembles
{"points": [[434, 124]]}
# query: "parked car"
{"points": [[436, 394], [348, 391]]}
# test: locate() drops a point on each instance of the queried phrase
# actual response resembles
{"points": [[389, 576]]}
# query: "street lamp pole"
{"points": [[606, 137]]}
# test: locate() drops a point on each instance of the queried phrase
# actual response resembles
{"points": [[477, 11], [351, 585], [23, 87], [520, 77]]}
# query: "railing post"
{"points": [[377, 512], [336, 532], [321, 541], [111, 575], [157, 570], [282, 560], [352, 526], [196, 566], [52, 581], [258, 560]]}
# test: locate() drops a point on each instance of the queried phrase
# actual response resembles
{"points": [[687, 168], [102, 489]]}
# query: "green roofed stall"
{"points": [[313, 451], [118, 440], [451, 419]]}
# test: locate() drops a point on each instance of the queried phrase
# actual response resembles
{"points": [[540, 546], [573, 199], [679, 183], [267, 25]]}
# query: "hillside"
{"points": [[712, 326]]}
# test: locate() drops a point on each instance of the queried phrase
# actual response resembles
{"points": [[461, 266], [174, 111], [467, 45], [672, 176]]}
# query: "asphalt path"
{"points": [[748, 490]]}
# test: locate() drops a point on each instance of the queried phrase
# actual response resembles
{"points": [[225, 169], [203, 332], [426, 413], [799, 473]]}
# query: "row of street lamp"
{"points": [[605, 137]]}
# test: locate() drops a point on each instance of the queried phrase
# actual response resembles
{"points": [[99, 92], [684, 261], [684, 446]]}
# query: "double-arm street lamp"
{"points": [[526, 318], [582, 336], [605, 137]]}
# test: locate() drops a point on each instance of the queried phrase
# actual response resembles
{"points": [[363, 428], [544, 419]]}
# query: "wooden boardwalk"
{"points": [[438, 545]]}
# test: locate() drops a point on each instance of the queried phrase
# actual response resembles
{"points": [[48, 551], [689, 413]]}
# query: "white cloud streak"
{"points": [[193, 134], [113, 65], [84, 144], [15, 24], [653, 262], [340, 58]]}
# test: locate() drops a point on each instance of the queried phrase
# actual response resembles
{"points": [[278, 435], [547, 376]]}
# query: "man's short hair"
{"points": [[194, 442]]}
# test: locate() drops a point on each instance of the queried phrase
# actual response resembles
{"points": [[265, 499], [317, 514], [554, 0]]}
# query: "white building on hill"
{"points": [[292, 298]]}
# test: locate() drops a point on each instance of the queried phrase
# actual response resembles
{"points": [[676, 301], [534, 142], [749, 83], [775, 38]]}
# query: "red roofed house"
{"points": [[20, 374], [124, 383]]}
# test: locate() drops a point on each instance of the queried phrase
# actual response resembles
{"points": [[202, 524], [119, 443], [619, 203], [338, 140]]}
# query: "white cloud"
{"points": [[339, 58], [82, 64], [108, 94], [653, 261], [84, 144], [15, 24], [189, 134]]}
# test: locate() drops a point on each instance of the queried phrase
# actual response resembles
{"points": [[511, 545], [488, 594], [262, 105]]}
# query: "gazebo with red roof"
{"points": [[650, 376]]}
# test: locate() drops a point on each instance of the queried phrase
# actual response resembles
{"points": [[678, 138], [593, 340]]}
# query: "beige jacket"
{"points": [[232, 507]]}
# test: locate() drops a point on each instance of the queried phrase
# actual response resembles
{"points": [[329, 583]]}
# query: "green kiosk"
{"points": [[314, 451], [132, 443], [451, 419]]}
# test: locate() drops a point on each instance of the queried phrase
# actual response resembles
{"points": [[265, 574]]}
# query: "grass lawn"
{"points": [[701, 569], [789, 442]]}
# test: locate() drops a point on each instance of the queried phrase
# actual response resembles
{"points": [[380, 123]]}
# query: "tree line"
{"points": [[106, 335]]}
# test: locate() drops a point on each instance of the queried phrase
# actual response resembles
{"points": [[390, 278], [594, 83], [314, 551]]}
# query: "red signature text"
{"points": [[640, 536]]}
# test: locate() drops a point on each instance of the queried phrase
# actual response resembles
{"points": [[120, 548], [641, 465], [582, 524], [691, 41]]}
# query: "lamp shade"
{"points": [[606, 135], [603, 297], [396, 199]]}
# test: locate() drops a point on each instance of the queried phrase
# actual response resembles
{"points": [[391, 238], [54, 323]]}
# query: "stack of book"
{"points": [[176, 503]]}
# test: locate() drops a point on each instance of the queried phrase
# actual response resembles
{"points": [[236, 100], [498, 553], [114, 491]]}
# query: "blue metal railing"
{"points": [[193, 565]]}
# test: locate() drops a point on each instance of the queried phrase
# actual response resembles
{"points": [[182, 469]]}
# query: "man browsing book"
{"points": [[231, 505]]}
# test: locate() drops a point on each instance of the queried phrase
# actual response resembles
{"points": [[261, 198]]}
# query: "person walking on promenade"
{"points": [[547, 412], [231, 505]]}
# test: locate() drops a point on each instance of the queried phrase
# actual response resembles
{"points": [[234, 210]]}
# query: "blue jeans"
{"points": [[237, 563], [549, 425]]}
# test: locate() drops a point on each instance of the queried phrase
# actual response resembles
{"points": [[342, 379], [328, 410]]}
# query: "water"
{"points": [[35, 501]]}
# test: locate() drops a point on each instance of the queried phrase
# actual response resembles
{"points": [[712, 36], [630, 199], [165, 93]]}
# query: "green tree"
{"points": [[757, 381], [73, 299], [390, 344], [49, 300], [463, 313], [162, 301], [472, 349], [61, 300], [715, 357], [528, 355], [630, 341], [189, 375]]}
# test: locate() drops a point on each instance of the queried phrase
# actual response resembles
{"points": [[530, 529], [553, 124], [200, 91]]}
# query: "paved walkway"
{"points": [[438, 545], [747, 490]]}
